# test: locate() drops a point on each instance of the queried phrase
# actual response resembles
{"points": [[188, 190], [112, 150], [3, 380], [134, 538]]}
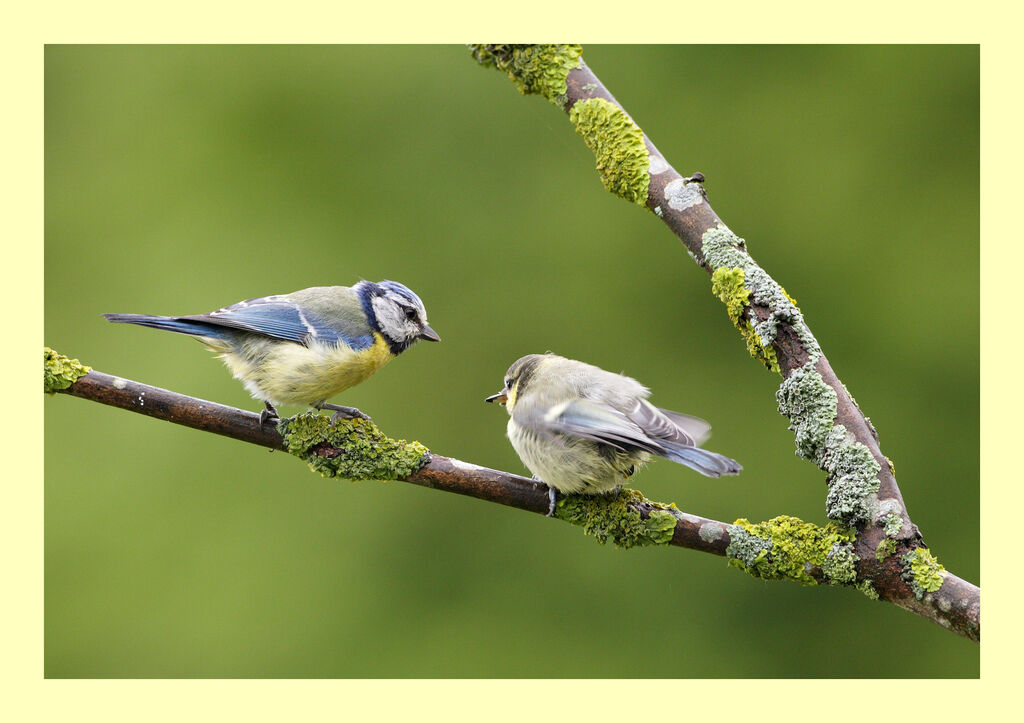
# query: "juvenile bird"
{"points": [[580, 429], [307, 346]]}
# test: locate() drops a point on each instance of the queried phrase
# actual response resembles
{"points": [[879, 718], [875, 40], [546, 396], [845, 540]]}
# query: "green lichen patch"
{"points": [[60, 372], [922, 571], [867, 588], [788, 548], [614, 518], [618, 146], [727, 284], [352, 448], [541, 69], [763, 353], [840, 565], [886, 548]]}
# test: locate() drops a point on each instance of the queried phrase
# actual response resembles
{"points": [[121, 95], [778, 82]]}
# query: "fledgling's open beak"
{"points": [[429, 334], [501, 397]]}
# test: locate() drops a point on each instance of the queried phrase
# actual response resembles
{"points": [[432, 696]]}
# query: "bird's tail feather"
{"points": [[168, 323], [710, 464]]}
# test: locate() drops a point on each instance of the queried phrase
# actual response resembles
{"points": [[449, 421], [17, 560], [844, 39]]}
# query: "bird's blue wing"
{"points": [[281, 319]]}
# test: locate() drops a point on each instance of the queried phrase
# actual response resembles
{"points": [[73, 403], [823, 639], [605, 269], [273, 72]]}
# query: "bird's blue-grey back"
{"points": [[328, 315]]}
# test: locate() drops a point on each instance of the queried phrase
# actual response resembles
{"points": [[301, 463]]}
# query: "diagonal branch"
{"points": [[830, 428], [628, 520]]}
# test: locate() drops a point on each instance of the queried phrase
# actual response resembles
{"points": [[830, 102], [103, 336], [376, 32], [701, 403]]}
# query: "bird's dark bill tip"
{"points": [[428, 334], [500, 398]]}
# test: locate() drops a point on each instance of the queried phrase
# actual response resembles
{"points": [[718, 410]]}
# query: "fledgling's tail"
{"points": [[168, 323], [710, 464]]}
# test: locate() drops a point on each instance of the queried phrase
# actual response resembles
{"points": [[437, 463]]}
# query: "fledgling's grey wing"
{"points": [[696, 427], [669, 425], [679, 435], [602, 423], [587, 419], [278, 318]]}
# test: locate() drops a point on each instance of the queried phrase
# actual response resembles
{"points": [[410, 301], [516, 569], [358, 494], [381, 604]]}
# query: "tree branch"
{"points": [[437, 472], [627, 520], [831, 430]]}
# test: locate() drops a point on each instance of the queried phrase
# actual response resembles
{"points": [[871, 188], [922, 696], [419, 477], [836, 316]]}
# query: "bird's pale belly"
{"points": [[572, 465], [286, 373]]}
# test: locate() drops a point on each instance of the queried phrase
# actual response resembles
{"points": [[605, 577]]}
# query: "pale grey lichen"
{"points": [[746, 547], [810, 405], [722, 248], [681, 195], [657, 165], [709, 532], [892, 524], [852, 479]]}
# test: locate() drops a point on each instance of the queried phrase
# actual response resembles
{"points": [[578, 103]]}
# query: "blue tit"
{"points": [[307, 346], [580, 429]]}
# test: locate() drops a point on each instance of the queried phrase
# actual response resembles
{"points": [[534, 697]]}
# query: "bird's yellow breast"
{"points": [[287, 373]]}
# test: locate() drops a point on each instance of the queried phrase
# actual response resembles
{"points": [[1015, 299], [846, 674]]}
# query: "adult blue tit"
{"points": [[307, 346], [581, 429]]}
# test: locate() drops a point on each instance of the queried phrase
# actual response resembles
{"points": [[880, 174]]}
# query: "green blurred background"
{"points": [[180, 179]]}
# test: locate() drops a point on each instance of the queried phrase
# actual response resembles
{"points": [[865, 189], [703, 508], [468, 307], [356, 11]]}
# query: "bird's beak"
{"points": [[501, 397], [429, 334]]}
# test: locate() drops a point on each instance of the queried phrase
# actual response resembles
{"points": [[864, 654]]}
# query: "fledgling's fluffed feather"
{"points": [[581, 429]]}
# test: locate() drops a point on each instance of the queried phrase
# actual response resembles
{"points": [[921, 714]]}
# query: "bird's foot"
{"points": [[269, 414], [341, 412], [552, 500]]}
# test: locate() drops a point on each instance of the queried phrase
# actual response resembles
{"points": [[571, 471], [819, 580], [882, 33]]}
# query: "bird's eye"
{"points": [[508, 383], [410, 313]]}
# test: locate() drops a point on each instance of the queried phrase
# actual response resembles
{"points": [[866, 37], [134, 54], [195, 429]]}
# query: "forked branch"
{"points": [[356, 449], [830, 429]]}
